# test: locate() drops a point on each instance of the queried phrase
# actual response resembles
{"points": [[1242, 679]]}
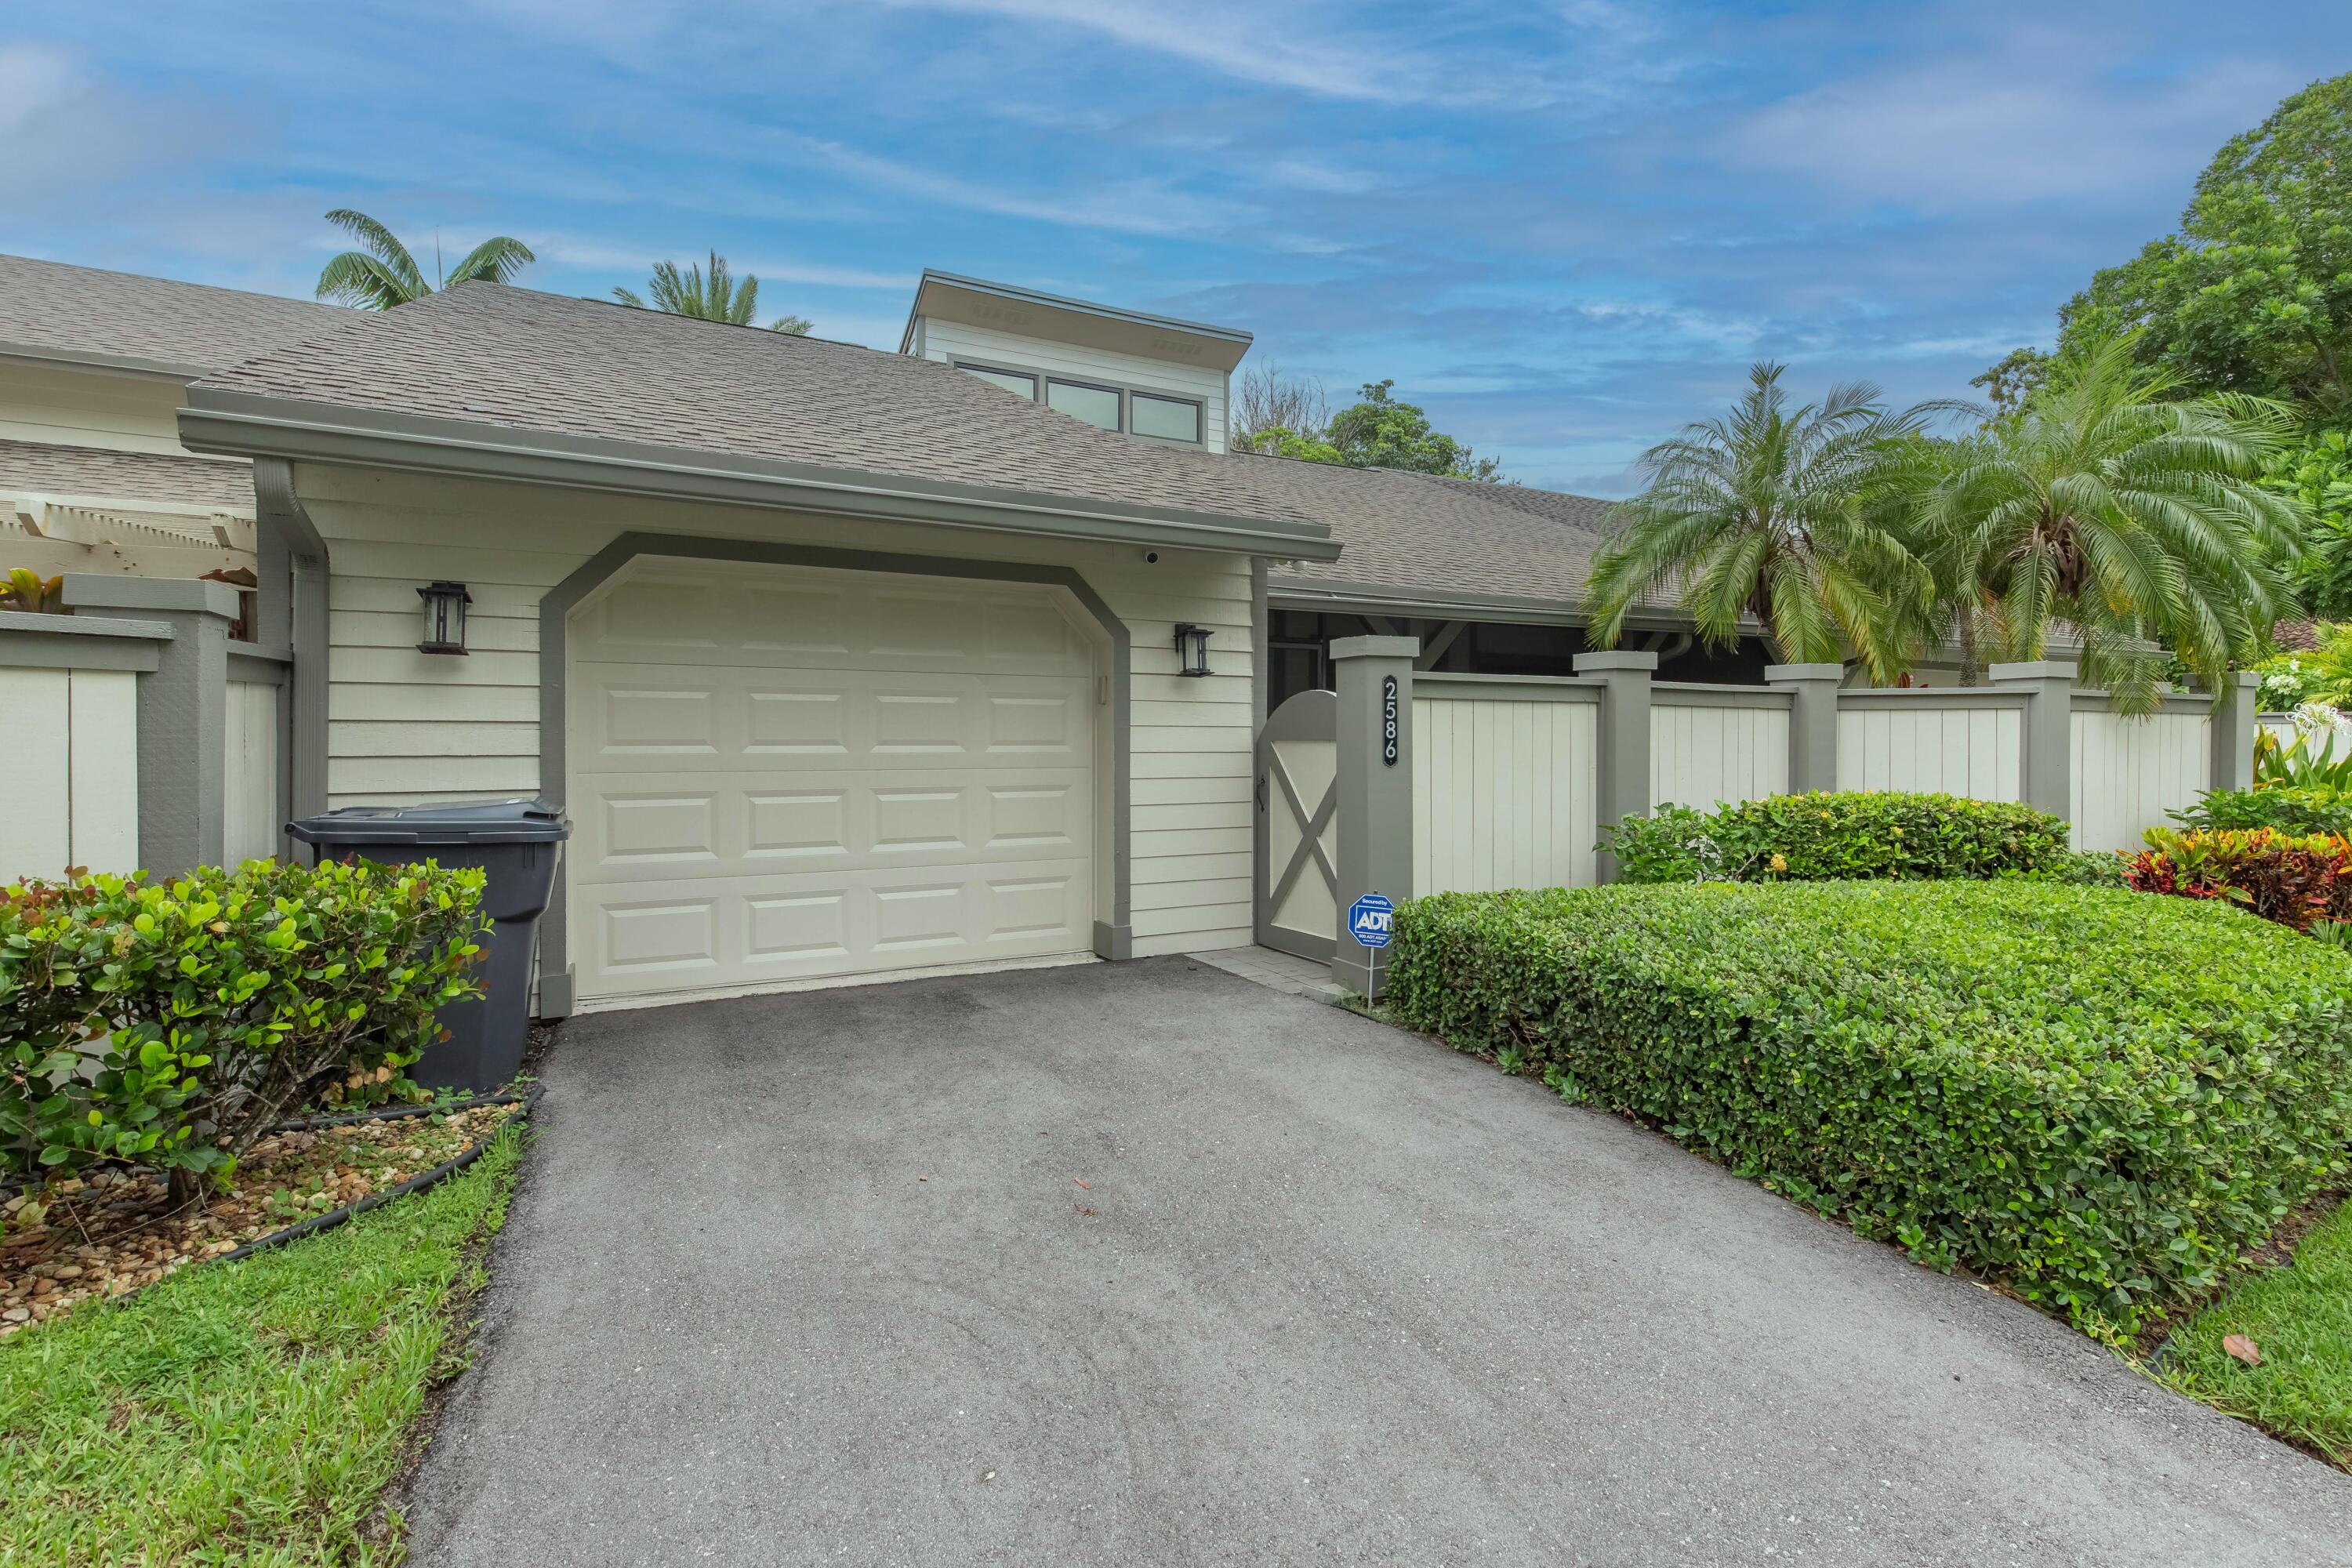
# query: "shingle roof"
{"points": [[519, 361], [1414, 533], [91, 473], [52, 309]]}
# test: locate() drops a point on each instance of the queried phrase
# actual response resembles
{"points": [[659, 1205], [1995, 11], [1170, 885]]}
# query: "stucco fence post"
{"points": [[1812, 722], [1622, 786], [182, 711], [2236, 720], [1374, 820], [2048, 763]]}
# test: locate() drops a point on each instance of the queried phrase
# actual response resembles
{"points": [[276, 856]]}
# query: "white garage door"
{"points": [[781, 774]]}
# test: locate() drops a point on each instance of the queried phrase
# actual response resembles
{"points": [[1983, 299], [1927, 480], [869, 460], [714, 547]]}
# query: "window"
{"points": [[1164, 418], [1011, 380], [1095, 404]]}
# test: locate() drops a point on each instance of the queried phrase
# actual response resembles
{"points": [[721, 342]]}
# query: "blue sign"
{"points": [[1369, 918]]}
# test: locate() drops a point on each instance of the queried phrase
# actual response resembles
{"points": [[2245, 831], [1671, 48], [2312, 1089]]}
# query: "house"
{"points": [[94, 367], [842, 662]]}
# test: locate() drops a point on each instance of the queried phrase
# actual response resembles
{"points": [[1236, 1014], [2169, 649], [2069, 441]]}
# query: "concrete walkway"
{"points": [[812, 1279]]}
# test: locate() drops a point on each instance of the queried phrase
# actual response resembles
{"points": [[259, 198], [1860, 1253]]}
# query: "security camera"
{"points": [[1151, 558]]}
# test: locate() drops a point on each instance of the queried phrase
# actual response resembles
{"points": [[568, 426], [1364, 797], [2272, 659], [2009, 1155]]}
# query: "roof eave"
{"points": [[245, 424], [91, 359], [1438, 602]]}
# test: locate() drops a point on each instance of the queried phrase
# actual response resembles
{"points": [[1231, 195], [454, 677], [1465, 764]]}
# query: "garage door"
{"points": [[779, 773]]}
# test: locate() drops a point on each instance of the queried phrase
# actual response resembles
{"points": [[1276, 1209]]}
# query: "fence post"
{"points": [[1622, 744], [2049, 763], [183, 712], [1374, 676], [1813, 691], [2236, 720]]}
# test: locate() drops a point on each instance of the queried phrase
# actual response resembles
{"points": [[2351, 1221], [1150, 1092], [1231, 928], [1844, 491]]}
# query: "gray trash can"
{"points": [[516, 842]]}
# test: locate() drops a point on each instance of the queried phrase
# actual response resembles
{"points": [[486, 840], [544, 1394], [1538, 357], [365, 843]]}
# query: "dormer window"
{"points": [[1098, 405], [1165, 418]]}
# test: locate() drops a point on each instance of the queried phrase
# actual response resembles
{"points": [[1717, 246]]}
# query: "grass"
{"points": [[2300, 1315], [246, 1413]]}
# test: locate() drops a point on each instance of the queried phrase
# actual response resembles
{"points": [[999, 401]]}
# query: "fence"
{"points": [[1405, 783], [139, 734]]}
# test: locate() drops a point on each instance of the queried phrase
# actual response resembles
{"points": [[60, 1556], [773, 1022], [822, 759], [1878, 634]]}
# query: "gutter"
{"points": [[242, 425]]}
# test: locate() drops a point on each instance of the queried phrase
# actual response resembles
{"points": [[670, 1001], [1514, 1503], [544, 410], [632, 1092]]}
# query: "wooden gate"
{"points": [[1297, 839]]}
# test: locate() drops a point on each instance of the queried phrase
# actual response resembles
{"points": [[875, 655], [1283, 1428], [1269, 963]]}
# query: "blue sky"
{"points": [[1566, 229]]}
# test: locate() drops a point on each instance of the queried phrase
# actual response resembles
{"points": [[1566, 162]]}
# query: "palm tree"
{"points": [[382, 274], [2101, 504], [1765, 514], [716, 298]]}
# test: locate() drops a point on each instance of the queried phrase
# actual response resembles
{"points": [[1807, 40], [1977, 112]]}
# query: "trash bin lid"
{"points": [[516, 821]]}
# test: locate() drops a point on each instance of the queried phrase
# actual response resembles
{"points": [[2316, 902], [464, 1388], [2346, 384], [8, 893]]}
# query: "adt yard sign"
{"points": [[1369, 919]]}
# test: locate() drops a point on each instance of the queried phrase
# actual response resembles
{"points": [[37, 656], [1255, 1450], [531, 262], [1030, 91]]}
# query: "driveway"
{"points": [[812, 1279]]}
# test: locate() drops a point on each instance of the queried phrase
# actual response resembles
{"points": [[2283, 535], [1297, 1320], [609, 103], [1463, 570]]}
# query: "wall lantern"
{"points": [[444, 617], [1191, 650]]}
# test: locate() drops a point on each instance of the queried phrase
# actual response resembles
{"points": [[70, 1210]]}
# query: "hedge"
{"points": [[1857, 834], [2097, 1097], [170, 1023]]}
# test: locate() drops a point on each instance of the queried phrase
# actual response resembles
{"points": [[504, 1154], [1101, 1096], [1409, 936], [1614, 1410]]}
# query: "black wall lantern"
{"points": [[444, 617], [1191, 650]]}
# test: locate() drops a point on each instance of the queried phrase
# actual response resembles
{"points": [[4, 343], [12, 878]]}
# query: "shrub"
{"points": [[2289, 808], [2300, 883], [1860, 835], [171, 1022], [2098, 1097]]}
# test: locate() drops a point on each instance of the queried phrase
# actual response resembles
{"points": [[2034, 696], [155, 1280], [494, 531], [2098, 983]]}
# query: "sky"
{"points": [[1565, 229]]}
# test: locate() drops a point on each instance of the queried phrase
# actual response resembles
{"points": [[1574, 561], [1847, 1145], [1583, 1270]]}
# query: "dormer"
{"points": [[1153, 377]]}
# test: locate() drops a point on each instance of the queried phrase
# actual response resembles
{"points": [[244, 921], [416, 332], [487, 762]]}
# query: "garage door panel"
{"points": [[627, 716], [804, 619], [657, 826], [704, 935]]}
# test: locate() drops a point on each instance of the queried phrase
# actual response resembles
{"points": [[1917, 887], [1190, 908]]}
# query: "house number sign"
{"points": [[1389, 720]]}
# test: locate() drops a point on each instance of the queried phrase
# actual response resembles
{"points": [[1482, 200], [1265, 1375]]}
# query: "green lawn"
{"points": [[2301, 1318], [245, 1413]]}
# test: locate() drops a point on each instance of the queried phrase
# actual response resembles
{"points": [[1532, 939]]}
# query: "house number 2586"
{"points": [[1389, 720]]}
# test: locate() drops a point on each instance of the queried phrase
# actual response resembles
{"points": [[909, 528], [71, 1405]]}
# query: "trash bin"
{"points": [[513, 841]]}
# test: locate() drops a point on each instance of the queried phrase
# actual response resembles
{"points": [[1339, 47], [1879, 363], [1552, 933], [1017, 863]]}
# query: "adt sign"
{"points": [[1369, 919]]}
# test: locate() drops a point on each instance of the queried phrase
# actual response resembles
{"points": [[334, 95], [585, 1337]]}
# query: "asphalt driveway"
{"points": [[813, 1278]]}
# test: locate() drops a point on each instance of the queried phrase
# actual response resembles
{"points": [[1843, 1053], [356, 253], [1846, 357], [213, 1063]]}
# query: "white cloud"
{"points": [[2036, 119], [35, 81]]}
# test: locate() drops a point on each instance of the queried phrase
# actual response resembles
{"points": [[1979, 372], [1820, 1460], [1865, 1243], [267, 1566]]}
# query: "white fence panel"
{"points": [[252, 809], [1901, 744], [2128, 773], [70, 770], [1502, 793], [1712, 756]]}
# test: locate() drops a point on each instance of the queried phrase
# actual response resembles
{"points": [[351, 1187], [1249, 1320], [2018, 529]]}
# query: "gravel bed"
{"points": [[113, 1232]]}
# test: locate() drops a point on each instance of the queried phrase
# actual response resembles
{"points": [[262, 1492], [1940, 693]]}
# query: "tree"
{"points": [[2109, 504], [2318, 475], [2254, 293], [1382, 433], [718, 298], [2013, 379], [1284, 417], [382, 274], [1767, 513]]}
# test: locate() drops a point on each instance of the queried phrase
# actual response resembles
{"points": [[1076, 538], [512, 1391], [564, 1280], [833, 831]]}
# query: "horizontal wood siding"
{"points": [[2128, 773], [953, 341], [1503, 794], [1976, 751], [411, 727], [1706, 757], [69, 408]]}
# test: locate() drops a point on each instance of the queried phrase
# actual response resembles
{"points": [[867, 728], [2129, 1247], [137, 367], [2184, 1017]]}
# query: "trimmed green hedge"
{"points": [[2098, 1097], [1834, 837]]}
